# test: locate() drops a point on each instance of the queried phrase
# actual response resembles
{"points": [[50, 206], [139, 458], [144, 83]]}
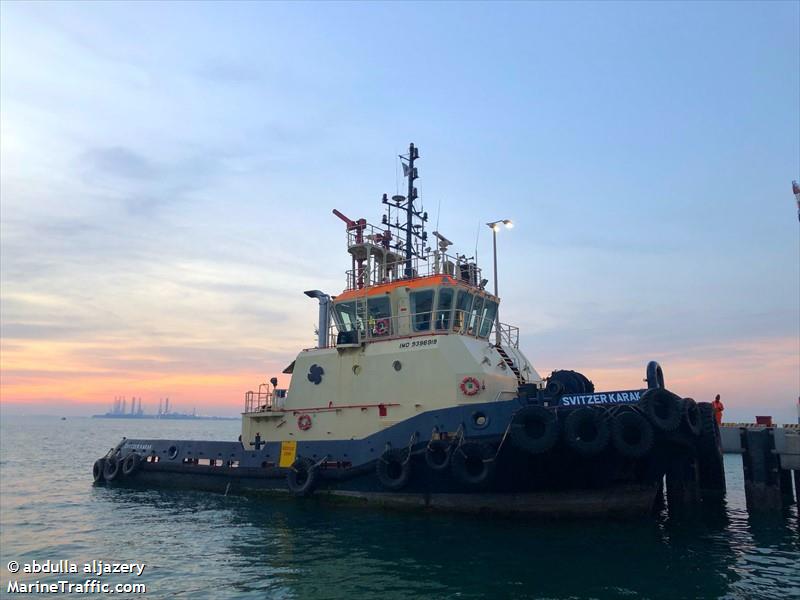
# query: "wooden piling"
{"points": [[762, 479]]}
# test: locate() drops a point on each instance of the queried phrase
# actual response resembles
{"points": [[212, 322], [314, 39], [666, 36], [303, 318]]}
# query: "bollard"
{"points": [[762, 481]]}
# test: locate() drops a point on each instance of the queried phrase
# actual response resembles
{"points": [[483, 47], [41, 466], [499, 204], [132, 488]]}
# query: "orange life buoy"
{"points": [[382, 327], [470, 386], [304, 422]]}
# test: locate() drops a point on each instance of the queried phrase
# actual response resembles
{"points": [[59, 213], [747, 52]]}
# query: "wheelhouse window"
{"points": [[475, 316], [348, 317], [463, 306], [379, 316], [444, 306], [489, 315], [421, 309]]}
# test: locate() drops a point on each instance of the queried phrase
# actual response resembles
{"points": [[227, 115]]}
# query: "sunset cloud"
{"points": [[168, 177]]}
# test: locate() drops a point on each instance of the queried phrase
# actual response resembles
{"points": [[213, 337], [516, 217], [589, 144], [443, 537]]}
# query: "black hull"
{"points": [[566, 480], [615, 501]]}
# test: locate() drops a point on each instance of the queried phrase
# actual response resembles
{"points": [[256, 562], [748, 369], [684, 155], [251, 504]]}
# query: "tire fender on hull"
{"points": [[534, 429], [709, 451], [437, 455], [473, 464], [586, 430], [130, 464], [111, 469], [691, 417], [631, 433], [394, 468], [97, 470], [663, 408], [303, 477]]}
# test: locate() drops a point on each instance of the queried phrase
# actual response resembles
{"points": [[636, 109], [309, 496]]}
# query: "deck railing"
{"points": [[378, 272], [265, 399]]}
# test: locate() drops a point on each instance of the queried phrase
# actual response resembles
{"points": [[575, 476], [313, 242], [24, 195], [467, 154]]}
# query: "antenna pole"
{"points": [[412, 175]]}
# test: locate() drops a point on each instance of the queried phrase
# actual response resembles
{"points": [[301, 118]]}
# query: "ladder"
{"points": [[510, 363]]}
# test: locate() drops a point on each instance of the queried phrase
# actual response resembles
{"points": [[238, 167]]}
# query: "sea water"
{"points": [[191, 544]]}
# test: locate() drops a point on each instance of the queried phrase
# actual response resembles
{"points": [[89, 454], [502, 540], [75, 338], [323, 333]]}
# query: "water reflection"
{"points": [[311, 549], [202, 545]]}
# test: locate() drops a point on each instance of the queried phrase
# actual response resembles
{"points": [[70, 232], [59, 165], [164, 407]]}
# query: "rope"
{"points": [[502, 440], [410, 446]]}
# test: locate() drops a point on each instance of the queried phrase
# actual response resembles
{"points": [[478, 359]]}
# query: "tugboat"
{"points": [[417, 395]]}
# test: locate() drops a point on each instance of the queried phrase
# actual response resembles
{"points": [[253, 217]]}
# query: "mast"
{"points": [[413, 154]]}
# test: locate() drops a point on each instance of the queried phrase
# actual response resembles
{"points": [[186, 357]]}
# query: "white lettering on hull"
{"points": [[625, 397]]}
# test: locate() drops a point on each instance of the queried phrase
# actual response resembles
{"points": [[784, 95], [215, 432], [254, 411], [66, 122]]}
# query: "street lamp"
{"points": [[495, 227]]}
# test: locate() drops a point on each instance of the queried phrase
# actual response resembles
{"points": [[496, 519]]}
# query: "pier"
{"points": [[770, 459]]}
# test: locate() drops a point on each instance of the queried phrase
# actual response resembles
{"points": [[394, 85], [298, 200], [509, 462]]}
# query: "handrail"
{"points": [[381, 271], [263, 400]]}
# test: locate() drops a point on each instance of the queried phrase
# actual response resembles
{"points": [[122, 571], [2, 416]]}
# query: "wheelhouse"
{"points": [[433, 305]]}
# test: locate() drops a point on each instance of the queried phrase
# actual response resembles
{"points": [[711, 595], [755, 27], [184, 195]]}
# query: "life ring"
{"points": [[470, 386], [304, 422], [382, 327]]}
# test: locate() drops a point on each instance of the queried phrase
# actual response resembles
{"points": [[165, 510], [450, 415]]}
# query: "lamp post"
{"points": [[495, 227]]}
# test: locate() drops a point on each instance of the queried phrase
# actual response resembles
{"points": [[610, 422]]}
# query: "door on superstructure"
{"points": [[403, 324]]}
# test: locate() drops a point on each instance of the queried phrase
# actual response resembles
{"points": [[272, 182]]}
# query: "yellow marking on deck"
{"points": [[288, 453]]}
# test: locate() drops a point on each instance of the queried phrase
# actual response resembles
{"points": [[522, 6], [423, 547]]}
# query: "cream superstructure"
{"points": [[414, 331]]}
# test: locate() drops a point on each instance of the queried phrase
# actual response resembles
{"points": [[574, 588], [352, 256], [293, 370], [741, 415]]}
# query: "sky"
{"points": [[168, 171]]}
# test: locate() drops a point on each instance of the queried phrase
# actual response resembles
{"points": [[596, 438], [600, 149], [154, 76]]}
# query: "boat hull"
{"points": [[561, 481]]}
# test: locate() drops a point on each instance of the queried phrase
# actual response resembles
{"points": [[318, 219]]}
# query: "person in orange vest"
{"points": [[718, 408]]}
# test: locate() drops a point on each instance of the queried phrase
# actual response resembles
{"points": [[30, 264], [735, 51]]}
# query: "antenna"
{"points": [[412, 175], [477, 237]]}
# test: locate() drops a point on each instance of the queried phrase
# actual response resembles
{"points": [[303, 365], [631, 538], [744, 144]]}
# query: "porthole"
{"points": [[479, 420], [397, 365], [172, 453], [356, 369]]}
